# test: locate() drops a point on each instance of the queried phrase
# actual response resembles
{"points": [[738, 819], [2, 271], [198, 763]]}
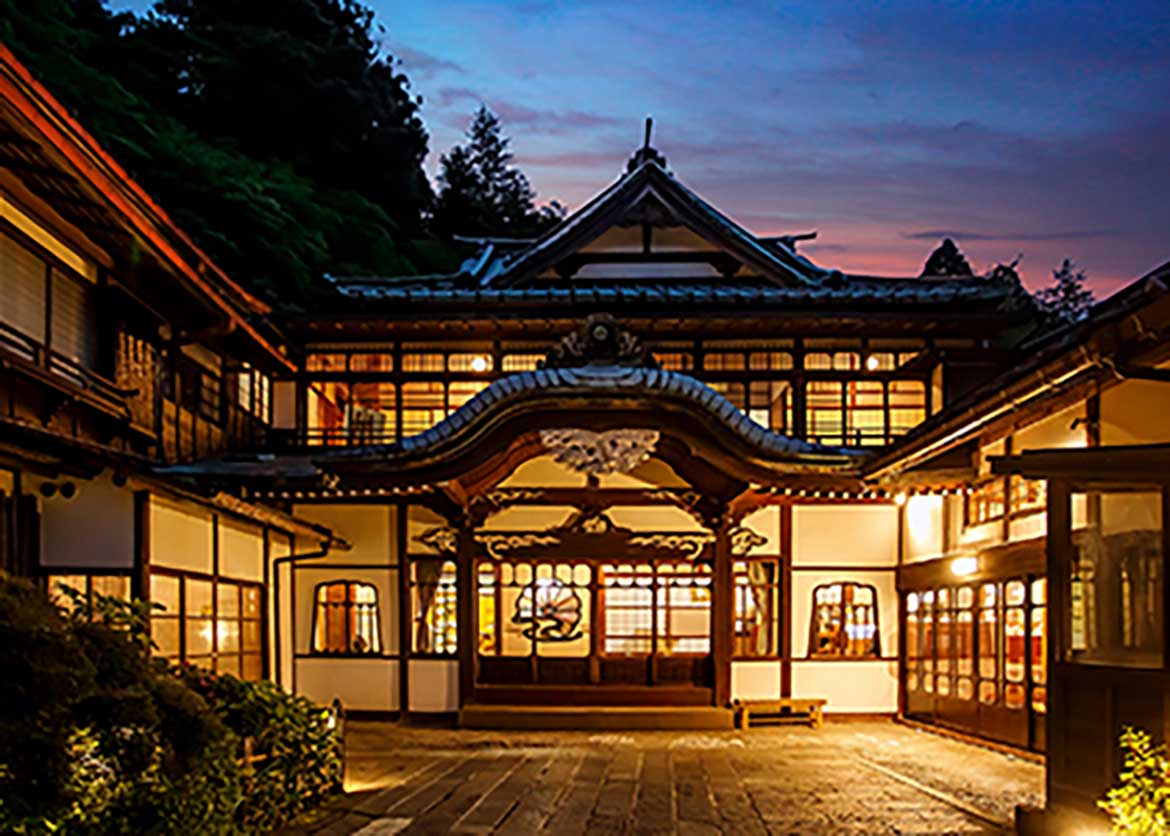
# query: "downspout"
{"points": [[276, 564]]}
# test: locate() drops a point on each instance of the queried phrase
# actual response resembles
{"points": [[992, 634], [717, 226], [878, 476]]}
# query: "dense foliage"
{"points": [[1140, 803], [482, 194], [275, 133], [97, 737]]}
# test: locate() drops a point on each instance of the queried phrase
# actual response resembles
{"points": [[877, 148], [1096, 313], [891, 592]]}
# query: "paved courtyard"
{"points": [[863, 777]]}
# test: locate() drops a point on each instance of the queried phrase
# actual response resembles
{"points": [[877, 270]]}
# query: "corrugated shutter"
{"points": [[74, 326], [22, 277]]}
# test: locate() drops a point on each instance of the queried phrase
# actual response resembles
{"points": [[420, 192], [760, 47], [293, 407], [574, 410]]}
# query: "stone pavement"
{"points": [[861, 777]]}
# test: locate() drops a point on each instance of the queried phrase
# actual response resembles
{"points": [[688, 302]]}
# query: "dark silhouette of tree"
{"points": [[947, 260], [275, 133], [1066, 299], [481, 193]]}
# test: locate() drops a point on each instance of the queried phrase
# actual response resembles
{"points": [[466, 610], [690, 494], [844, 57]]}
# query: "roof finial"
{"points": [[647, 153]]}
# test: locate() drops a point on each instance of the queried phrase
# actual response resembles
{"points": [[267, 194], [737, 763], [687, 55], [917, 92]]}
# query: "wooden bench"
{"points": [[783, 710]]}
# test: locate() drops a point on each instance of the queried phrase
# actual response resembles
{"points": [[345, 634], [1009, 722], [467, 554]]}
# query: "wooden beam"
{"points": [[722, 615]]}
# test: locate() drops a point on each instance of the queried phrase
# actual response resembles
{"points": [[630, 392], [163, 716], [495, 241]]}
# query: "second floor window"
{"points": [[46, 306]]}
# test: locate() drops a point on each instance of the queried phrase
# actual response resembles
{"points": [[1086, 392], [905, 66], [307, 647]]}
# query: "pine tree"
{"points": [[1066, 299], [947, 260], [481, 193]]}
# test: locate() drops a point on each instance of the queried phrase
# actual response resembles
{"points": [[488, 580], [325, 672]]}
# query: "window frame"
{"points": [[812, 651], [376, 647]]}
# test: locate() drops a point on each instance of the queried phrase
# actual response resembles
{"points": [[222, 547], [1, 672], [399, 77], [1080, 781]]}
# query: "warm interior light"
{"points": [[872, 362], [964, 566], [900, 499], [479, 363]]}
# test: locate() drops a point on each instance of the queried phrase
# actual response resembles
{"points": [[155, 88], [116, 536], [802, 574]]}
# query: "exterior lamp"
{"points": [[872, 362], [900, 498], [479, 363], [964, 566]]}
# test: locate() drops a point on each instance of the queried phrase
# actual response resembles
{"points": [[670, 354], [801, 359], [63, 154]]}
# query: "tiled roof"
{"points": [[843, 293]]}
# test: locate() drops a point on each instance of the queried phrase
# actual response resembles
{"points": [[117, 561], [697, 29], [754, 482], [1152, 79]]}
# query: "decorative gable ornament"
{"points": [[595, 454], [600, 341]]}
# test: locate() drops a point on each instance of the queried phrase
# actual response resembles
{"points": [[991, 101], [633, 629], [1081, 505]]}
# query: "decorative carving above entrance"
{"points": [[687, 545], [743, 540], [501, 545], [595, 454], [442, 538], [600, 341]]}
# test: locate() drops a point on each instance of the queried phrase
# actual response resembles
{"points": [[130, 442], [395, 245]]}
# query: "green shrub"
{"points": [[1140, 804], [296, 746], [97, 737]]}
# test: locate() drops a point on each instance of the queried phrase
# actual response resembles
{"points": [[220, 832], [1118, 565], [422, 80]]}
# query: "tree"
{"points": [[947, 260], [272, 132], [1066, 299], [482, 194]]}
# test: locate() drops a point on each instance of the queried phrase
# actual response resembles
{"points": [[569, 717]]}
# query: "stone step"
{"points": [[595, 718]]}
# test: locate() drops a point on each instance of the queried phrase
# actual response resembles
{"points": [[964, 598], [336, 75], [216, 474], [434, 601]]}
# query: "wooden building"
{"points": [[648, 459]]}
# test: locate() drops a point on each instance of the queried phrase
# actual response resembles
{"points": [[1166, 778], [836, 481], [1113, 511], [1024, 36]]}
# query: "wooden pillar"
{"points": [[140, 580], [1059, 558], [466, 631], [721, 613]]}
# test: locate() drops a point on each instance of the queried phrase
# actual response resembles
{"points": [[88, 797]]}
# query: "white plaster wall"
{"points": [[384, 580], [420, 520], [849, 687], [369, 528], [653, 518], [433, 685], [1135, 412], [280, 611], [845, 535], [1029, 527], [241, 551], [543, 472], [803, 583], [180, 536], [755, 680], [95, 528], [521, 518], [1055, 431], [924, 528], [360, 684]]}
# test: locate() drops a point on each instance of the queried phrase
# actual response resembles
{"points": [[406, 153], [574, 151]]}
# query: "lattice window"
{"points": [[757, 608], [346, 618], [434, 608], [844, 621]]}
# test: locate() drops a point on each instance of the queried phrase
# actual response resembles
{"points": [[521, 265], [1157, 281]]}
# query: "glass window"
{"points": [[346, 618], [985, 502], [865, 412], [770, 404], [1039, 645], [757, 608], [475, 363], [325, 362], [216, 626], [824, 411], [372, 363], [1116, 581], [433, 605], [423, 362], [988, 643], [719, 361], [769, 360], [424, 404], [627, 609], [844, 621], [907, 405], [522, 362], [913, 641], [88, 586]]}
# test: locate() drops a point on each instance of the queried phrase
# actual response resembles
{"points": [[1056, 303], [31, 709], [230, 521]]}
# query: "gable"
{"points": [[649, 225]]}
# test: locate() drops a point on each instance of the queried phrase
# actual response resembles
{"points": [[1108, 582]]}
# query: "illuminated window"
{"points": [[467, 362], [433, 606], [627, 608], [424, 404], [769, 361], [346, 619], [521, 362], [423, 362], [218, 626], [865, 412], [1028, 495], [824, 416], [770, 404], [988, 639], [757, 608], [1039, 645], [254, 392], [371, 363], [734, 392], [719, 361], [89, 587], [984, 503], [844, 621], [325, 362], [674, 361], [907, 405]]}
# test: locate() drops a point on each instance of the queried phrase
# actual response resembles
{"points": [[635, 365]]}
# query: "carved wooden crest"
{"points": [[442, 539], [743, 540], [600, 341], [612, 451]]}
